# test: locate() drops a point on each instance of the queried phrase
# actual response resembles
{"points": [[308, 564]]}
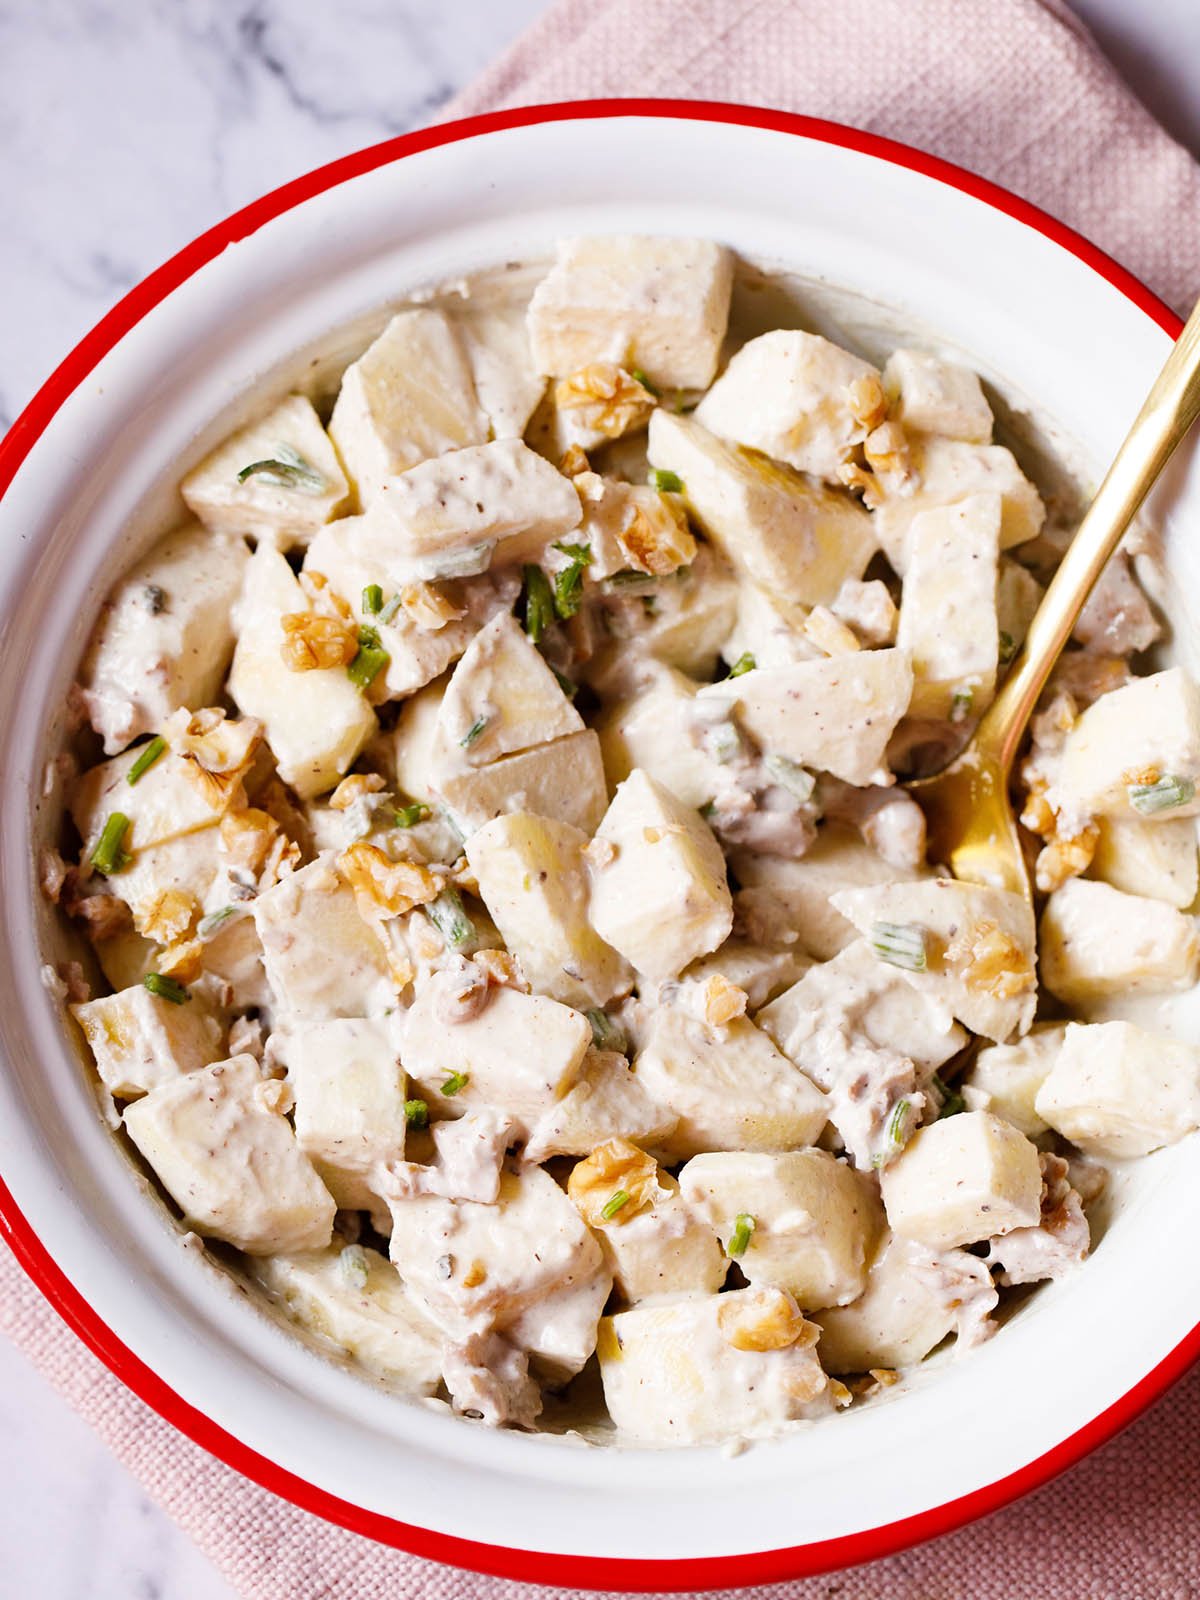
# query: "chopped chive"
{"points": [[790, 775], [372, 599], [370, 660], [474, 732], [619, 1198], [665, 481], [568, 584], [896, 1124], [286, 469], [744, 663], [109, 854], [214, 921], [565, 684], [607, 1034], [629, 578], [416, 1114], [451, 921], [390, 610], [166, 988], [148, 755], [900, 944], [354, 1266], [456, 1082], [1164, 795], [1008, 647], [708, 810], [952, 1100], [639, 376], [960, 704], [739, 1239], [537, 602], [407, 816]]}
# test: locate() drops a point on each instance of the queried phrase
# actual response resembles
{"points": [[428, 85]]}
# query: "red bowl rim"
{"points": [[581, 1572]]}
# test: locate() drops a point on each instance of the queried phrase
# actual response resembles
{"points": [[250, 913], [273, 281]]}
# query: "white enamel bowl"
{"points": [[91, 466]]}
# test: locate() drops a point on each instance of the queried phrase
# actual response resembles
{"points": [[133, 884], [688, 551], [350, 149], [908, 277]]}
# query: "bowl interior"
{"points": [[875, 254]]}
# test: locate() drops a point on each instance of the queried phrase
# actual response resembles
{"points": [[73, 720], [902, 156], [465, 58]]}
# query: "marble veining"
{"points": [[127, 127]]}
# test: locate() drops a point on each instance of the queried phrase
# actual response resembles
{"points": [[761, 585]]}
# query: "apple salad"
{"points": [[519, 957]]}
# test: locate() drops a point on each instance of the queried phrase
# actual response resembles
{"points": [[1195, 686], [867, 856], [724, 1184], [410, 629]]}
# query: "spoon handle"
{"points": [[1169, 411]]}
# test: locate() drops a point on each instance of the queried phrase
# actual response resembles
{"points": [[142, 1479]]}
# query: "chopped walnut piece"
{"points": [[324, 600], [888, 456], [75, 987], [859, 481], [503, 970], [764, 1319], [428, 608], [274, 1095], [52, 874], [723, 1001], [166, 917], [1062, 858], [839, 1393], [354, 788], [184, 961], [990, 959], [656, 538], [103, 916], [885, 1376], [384, 888], [828, 634], [1140, 775], [1038, 815], [475, 1274], [311, 642], [574, 462], [606, 398], [868, 403], [613, 1168], [220, 744], [247, 836]]}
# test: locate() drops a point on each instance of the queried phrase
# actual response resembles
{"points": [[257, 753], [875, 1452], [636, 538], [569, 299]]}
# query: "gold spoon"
{"points": [[967, 807]]}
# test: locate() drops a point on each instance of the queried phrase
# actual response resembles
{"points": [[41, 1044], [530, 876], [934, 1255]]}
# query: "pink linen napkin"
{"points": [[1016, 90]]}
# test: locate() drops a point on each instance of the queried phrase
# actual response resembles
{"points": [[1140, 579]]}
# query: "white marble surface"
{"points": [[126, 127]]}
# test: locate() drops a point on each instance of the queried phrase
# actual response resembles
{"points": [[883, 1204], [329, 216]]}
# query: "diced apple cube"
{"points": [[794, 396], [1117, 1090], [230, 1161], [563, 779], [948, 610], [164, 636], [471, 1264], [501, 698], [710, 1367], [349, 1088], [1005, 1078], [321, 958], [693, 610], [499, 501], [1095, 941], [410, 752], [354, 1299], [1156, 859], [1135, 752], [661, 897], [416, 653], [912, 1301], [963, 1179], [655, 729], [520, 1054], [654, 1243], [796, 894], [296, 484], [408, 397], [929, 395], [815, 1219], [950, 470], [317, 721], [835, 715], [797, 540], [967, 948], [532, 878], [605, 1102], [857, 992], [730, 1088], [659, 305], [1018, 595], [507, 383], [140, 1041]]}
